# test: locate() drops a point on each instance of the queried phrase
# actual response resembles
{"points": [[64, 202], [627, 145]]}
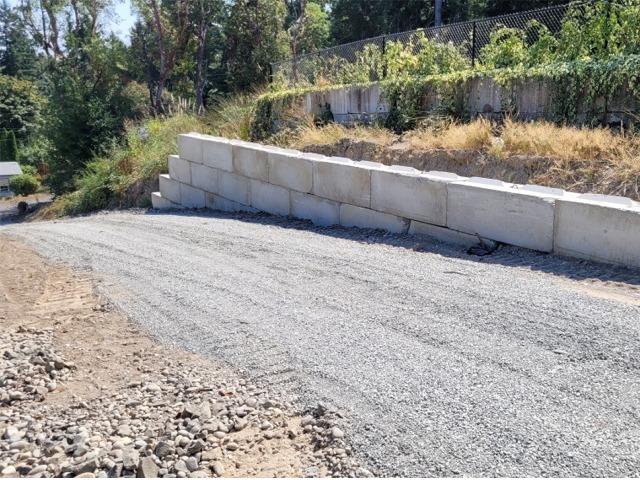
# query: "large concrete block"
{"points": [[319, 210], [352, 216], [234, 187], [216, 202], [343, 180], [410, 194], [499, 211], [190, 147], [160, 203], [191, 197], [204, 178], [217, 152], [607, 231], [269, 198], [442, 234], [251, 160], [180, 169], [289, 169], [170, 188]]}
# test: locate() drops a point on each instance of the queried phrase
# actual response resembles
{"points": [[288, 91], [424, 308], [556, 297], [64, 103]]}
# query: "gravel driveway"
{"points": [[444, 364]]}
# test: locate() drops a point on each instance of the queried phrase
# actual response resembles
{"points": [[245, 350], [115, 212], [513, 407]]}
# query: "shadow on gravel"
{"points": [[505, 255]]}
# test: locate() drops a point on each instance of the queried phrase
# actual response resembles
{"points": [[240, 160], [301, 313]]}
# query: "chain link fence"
{"points": [[458, 44]]}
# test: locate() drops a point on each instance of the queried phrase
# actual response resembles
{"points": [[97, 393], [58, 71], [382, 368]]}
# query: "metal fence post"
{"points": [[384, 57], [473, 46]]}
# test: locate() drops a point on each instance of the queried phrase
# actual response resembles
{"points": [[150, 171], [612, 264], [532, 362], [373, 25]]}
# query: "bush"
{"points": [[24, 184]]}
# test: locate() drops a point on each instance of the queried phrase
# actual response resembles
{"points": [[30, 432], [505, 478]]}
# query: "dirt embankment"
{"points": [[582, 176]]}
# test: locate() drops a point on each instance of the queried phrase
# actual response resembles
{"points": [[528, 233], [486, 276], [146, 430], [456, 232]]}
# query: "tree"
{"points": [[255, 37], [208, 13], [8, 147], [20, 106], [18, 58], [314, 31], [353, 20], [169, 23]]}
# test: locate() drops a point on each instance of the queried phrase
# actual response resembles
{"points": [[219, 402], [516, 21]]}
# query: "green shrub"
{"points": [[24, 184]]}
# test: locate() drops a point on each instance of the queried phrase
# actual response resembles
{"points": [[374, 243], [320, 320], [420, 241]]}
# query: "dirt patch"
{"points": [[581, 176], [119, 380]]}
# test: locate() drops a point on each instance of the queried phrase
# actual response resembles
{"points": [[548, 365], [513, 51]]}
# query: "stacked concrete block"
{"points": [[343, 180], [352, 216], [236, 176], [598, 228], [499, 211], [234, 187], [190, 147], [180, 169], [251, 161], [269, 198], [216, 202], [319, 210], [191, 197], [204, 178], [409, 193], [217, 153], [160, 203], [170, 189], [290, 169]]}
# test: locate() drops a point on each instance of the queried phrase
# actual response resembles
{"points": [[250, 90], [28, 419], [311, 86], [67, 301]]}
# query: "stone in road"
{"points": [[444, 364]]}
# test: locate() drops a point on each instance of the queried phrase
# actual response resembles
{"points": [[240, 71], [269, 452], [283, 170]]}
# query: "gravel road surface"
{"points": [[444, 364]]}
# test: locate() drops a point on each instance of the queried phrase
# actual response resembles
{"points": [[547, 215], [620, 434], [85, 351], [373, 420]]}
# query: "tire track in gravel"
{"points": [[445, 364]]}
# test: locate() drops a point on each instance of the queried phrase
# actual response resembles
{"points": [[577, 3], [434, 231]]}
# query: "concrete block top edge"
{"points": [[452, 177], [608, 201]]}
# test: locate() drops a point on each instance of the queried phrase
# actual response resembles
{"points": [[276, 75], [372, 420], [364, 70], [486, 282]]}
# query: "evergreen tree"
{"points": [[10, 147]]}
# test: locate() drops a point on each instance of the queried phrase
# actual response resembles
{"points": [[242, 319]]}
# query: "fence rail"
{"points": [[467, 38]]}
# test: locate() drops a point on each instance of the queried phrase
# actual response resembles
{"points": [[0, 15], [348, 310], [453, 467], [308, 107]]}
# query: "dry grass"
{"points": [[568, 143], [452, 135], [332, 133]]}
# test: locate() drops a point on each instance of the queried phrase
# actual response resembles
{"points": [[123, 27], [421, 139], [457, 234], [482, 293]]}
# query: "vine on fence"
{"points": [[594, 56]]}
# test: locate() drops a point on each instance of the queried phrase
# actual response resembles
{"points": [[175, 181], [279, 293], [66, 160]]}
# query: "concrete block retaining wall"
{"points": [[238, 176]]}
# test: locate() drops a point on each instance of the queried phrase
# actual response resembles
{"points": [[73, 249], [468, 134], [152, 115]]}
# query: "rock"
{"points": [[84, 467], [337, 433], [20, 445], [147, 468], [218, 469], [86, 475], [181, 466], [232, 446], [192, 464], [210, 455], [130, 459], [163, 449], [308, 420], [12, 434], [116, 471], [198, 474], [10, 471], [240, 424], [195, 447], [124, 431]]}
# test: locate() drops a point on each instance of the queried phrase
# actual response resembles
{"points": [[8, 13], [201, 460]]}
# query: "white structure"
{"points": [[8, 170], [238, 176]]}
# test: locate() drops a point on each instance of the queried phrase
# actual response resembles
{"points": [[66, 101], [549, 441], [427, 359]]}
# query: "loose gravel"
{"points": [[443, 364]]}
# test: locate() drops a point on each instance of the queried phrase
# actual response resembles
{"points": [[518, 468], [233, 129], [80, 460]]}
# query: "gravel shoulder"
{"points": [[442, 364], [83, 391]]}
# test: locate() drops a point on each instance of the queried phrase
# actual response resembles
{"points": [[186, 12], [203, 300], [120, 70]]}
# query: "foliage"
{"points": [[8, 147], [315, 29], [18, 57], [255, 37], [25, 184], [20, 106]]}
